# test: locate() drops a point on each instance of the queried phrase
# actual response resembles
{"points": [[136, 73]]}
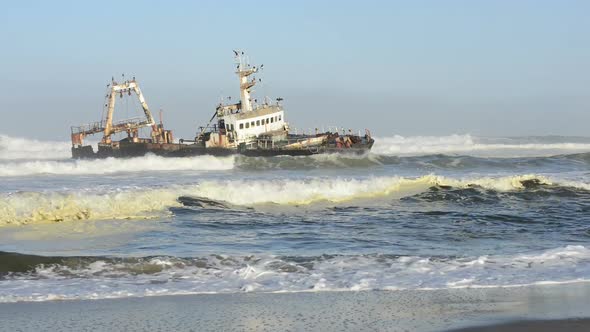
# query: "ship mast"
{"points": [[244, 70]]}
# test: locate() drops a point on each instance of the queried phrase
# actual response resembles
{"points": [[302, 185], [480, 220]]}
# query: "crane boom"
{"points": [[131, 126], [125, 87]]}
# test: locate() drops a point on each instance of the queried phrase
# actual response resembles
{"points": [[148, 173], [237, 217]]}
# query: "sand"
{"points": [[569, 325], [558, 307]]}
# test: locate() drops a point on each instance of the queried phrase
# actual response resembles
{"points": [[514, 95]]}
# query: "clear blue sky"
{"points": [[398, 67]]}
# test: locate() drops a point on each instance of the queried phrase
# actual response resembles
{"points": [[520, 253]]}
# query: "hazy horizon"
{"points": [[426, 68]]}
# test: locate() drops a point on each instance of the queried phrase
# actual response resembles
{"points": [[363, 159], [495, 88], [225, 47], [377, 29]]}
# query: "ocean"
{"points": [[416, 213]]}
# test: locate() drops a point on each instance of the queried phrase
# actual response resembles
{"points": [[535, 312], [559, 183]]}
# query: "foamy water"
{"points": [[113, 165], [415, 213], [22, 148], [107, 278], [469, 145]]}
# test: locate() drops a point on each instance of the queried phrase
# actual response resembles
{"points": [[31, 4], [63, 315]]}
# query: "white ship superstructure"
{"points": [[247, 120]]}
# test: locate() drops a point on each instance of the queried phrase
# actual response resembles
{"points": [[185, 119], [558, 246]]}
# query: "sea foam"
{"points": [[148, 202], [12, 148], [475, 146], [114, 165], [98, 278]]}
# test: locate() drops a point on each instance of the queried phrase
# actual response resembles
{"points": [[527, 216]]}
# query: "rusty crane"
{"points": [[130, 126]]}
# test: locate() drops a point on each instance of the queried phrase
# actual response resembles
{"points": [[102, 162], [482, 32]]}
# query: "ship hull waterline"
{"points": [[129, 150]]}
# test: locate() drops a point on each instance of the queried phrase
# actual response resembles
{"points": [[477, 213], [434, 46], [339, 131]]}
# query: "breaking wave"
{"points": [[139, 203], [12, 148], [479, 146], [38, 207], [337, 190], [51, 278], [115, 165]]}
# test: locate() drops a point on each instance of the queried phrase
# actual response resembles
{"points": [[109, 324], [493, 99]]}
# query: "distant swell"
{"points": [[109, 277], [142, 203]]}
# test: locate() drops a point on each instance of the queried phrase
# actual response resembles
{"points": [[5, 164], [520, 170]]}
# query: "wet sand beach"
{"points": [[570, 325], [412, 310]]}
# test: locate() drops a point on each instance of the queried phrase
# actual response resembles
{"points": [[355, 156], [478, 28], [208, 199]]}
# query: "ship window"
{"points": [[279, 118], [272, 120], [276, 119], [258, 122], [267, 121], [252, 123], [241, 126], [247, 124]]}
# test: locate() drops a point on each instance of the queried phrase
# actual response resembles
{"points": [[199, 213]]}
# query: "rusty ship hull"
{"points": [[128, 149]]}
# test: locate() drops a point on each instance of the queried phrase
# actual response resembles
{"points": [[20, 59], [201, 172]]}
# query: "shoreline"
{"points": [[541, 325], [412, 310]]}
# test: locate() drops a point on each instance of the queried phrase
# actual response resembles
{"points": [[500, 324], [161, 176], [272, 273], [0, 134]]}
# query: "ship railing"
{"points": [[99, 126], [205, 129], [269, 143], [132, 122], [313, 131], [327, 130], [300, 136], [208, 128], [89, 128], [266, 143]]}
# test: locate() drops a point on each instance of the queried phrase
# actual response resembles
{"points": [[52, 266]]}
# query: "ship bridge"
{"points": [[245, 121]]}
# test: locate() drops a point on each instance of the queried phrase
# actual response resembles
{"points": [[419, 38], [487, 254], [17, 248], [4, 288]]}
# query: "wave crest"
{"points": [[137, 203], [36, 207], [338, 190]]}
